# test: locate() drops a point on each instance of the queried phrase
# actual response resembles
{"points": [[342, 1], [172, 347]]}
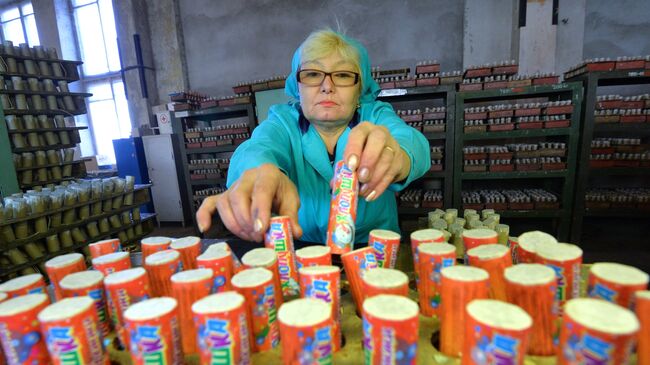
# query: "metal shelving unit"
{"points": [[561, 217], [9, 181], [591, 81], [180, 122], [447, 94]]}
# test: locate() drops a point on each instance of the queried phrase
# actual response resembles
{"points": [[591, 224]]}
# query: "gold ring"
{"points": [[390, 149]]}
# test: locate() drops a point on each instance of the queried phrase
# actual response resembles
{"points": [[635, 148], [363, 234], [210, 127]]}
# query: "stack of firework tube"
{"points": [[453, 226], [494, 309]]}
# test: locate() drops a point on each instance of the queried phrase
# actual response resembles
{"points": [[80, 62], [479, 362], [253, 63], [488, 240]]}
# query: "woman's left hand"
{"points": [[377, 157]]}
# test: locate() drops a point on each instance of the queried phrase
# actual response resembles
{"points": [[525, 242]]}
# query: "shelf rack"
{"points": [[591, 81], [180, 120], [9, 181], [573, 91], [447, 94]]}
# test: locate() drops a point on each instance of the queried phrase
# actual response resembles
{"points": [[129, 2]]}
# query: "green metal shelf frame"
{"points": [[572, 90], [178, 118], [590, 82], [448, 94]]}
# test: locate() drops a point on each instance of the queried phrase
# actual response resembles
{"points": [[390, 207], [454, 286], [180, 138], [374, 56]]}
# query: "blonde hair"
{"points": [[325, 42]]}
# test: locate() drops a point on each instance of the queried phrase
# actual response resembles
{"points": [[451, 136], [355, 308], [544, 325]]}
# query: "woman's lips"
{"points": [[327, 103]]}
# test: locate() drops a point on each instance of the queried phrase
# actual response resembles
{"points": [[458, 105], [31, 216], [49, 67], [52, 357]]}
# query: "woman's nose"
{"points": [[327, 86]]}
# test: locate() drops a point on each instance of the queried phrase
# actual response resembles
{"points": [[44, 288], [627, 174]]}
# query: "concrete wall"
{"points": [[168, 47], [232, 41], [617, 28], [488, 31]]}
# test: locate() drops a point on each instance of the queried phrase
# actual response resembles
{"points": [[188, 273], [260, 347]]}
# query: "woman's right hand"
{"points": [[245, 208]]}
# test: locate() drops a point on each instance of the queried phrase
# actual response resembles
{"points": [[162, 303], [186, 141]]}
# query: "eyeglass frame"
{"points": [[357, 76]]}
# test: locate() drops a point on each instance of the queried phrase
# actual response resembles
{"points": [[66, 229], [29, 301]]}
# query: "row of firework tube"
{"points": [[387, 318], [183, 316]]}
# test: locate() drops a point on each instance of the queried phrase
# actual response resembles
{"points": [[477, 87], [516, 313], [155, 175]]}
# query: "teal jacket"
{"points": [[303, 157]]}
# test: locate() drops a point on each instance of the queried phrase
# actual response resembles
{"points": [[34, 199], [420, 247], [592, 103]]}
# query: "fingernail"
{"points": [[352, 162], [363, 189], [371, 196], [201, 229], [258, 225], [363, 174]]}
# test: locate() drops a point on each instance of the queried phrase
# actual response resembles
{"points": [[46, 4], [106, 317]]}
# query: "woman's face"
{"points": [[328, 103]]}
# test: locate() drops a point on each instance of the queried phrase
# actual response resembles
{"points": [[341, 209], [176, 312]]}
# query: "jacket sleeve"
{"points": [[412, 142], [269, 143]]}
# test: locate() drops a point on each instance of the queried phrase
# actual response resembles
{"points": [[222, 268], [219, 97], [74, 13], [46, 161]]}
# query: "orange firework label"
{"points": [[156, 341], [343, 209], [386, 250], [75, 340], [104, 247], [429, 283], [22, 330], [389, 342], [223, 337], [280, 239]]}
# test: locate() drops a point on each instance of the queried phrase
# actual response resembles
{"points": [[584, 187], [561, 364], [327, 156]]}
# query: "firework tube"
{"points": [[313, 256], [88, 283], [104, 247], [495, 333], [384, 281], [433, 257], [188, 287], [71, 331], [386, 246], [268, 259], [151, 245], [112, 262], [493, 258], [459, 285], [218, 258], [223, 336], [616, 283], [19, 325], [324, 283], [280, 239], [596, 332], [642, 304], [390, 330], [23, 285], [189, 248], [532, 287], [343, 209], [566, 260], [354, 264], [479, 236], [60, 266], [256, 285], [307, 331], [526, 246], [154, 333], [160, 267], [424, 236], [123, 289]]}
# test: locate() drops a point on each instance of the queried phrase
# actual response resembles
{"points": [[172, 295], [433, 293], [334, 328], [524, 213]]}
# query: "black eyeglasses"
{"points": [[316, 77]]}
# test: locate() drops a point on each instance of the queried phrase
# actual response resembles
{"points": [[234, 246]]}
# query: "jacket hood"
{"points": [[370, 88]]}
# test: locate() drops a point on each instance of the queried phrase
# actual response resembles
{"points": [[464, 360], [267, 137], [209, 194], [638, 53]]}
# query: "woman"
{"points": [[287, 164]]}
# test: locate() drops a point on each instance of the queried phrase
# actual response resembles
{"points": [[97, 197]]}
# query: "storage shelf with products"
{"points": [[615, 142], [430, 109], [524, 138], [36, 104], [42, 223], [211, 133]]}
